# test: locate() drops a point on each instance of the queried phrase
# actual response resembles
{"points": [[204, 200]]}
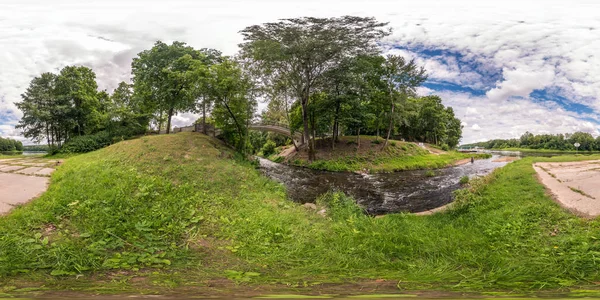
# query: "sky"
{"points": [[506, 67]]}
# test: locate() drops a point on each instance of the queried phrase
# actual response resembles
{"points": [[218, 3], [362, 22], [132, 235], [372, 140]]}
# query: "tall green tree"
{"points": [[161, 78], [77, 89], [234, 106], [37, 102], [299, 51], [402, 78]]}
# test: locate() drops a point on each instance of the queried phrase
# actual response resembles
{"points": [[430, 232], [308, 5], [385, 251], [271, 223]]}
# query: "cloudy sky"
{"points": [[504, 66]]}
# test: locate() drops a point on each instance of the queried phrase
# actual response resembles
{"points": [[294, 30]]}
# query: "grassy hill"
{"points": [[182, 212], [349, 156]]}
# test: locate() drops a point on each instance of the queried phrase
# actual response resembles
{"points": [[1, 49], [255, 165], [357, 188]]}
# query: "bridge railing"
{"points": [[269, 123]]}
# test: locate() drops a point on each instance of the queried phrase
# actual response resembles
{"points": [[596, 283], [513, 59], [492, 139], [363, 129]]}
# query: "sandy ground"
{"points": [[23, 179], [506, 159], [575, 185]]}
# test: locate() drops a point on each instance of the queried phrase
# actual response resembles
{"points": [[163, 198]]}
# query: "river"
{"points": [[405, 191]]}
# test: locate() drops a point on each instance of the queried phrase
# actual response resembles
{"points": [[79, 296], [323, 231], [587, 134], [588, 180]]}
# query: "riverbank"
{"points": [[545, 151], [349, 156], [180, 213]]}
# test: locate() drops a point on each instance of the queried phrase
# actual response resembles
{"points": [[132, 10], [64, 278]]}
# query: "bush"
{"points": [[268, 148], [377, 142], [464, 180], [445, 147], [87, 143], [393, 144]]}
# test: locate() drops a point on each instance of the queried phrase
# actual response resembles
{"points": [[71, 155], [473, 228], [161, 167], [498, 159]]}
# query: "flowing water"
{"points": [[406, 191]]}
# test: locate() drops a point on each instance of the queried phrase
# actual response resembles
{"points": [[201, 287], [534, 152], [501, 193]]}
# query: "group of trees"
{"points": [[545, 141], [326, 77], [66, 106], [321, 76], [10, 145]]}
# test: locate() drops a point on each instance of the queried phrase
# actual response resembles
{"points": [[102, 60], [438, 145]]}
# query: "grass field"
{"points": [[179, 211], [348, 156]]}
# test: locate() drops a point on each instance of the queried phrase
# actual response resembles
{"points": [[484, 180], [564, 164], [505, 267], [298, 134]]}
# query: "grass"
{"points": [[576, 190], [181, 210], [397, 156]]}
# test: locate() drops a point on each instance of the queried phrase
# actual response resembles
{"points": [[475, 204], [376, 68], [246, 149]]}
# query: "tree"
{"points": [[37, 122], [402, 78], [161, 76], [76, 88], [299, 51], [230, 90]]}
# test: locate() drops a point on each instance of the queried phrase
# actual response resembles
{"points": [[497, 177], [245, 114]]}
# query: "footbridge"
{"points": [[280, 128]]}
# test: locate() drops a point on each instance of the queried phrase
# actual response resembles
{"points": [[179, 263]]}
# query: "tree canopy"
{"points": [[324, 77]]}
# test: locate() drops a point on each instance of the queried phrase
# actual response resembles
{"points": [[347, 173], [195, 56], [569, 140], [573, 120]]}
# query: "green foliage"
{"points": [[268, 148], [234, 105], [464, 180], [445, 147], [67, 107], [10, 145], [427, 120], [87, 143], [170, 78]]}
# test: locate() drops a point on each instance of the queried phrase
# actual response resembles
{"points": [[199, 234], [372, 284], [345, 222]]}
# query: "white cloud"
{"points": [[512, 118], [551, 44]]}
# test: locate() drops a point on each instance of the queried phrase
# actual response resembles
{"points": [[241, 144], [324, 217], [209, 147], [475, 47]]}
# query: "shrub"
{"points": [[393, 144], [87, 143], [377, 142], [445, 147], [268, 148], [404, 148], [464, 180]]}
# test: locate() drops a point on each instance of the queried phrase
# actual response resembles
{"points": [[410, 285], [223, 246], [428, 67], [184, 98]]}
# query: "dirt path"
{"points": [[431, 150], [575, 185], [23, 179]]}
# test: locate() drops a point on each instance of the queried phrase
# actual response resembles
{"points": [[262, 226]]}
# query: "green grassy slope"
{"points": [[182, 203], [397, 156]]}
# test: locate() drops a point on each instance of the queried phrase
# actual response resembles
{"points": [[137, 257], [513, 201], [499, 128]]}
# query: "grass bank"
{"points": [[180, 211], [348, 156]]}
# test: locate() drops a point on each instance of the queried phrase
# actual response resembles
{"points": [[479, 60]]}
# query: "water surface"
{"points": [[405, 191]]}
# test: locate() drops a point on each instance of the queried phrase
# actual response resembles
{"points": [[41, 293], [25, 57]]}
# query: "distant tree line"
{"points": [[558, 142], [323, 77], [39, 148], [10, 145]]}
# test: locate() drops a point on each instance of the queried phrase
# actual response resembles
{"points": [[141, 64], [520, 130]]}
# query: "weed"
{"points": [[581, 192], [464, 180]]}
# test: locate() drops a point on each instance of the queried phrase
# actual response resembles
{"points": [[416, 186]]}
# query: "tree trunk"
{"points": [[169, 120], [390, 125], [333, 137], [358, 139], [160, 121], [307, 139], [336, 122], [204, 115], [47, 135], [237, 124]]}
